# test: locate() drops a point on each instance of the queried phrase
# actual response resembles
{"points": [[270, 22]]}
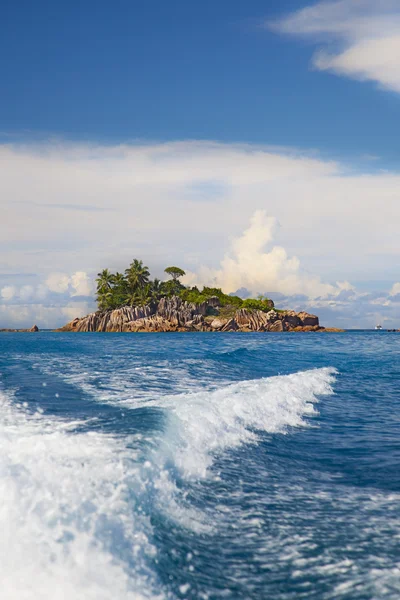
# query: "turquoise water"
{"points": [[200, 466]]}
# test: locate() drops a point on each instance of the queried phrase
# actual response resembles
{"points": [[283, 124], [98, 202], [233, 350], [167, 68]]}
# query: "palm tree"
{"points": [[144, 295], [137, 275], [104, 288], [131, 299], [156, 289], [118, 279], [104, 280]]}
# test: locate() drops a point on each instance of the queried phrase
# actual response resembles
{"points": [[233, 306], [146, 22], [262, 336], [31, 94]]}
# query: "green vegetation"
{"points": [[175, 272], [261, 303], [194, 295], [135, 288]]}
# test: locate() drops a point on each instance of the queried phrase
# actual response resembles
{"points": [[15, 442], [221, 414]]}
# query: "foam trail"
{"points": [[202, 423], [65, 491], [205, 423], [65, 500]]}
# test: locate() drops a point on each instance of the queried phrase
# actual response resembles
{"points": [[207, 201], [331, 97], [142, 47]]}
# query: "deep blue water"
{"points": [[200, 466]]}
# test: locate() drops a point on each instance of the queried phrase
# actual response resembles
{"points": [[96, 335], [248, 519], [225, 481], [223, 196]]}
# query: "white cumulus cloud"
{"points": [[250, 263], [57, 289], [395, 289], [78, 284], [58, 282], [8, 292], [81, 283]]}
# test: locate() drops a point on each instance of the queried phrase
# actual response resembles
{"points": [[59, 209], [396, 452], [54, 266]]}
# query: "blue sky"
{"points": [[304, 99], [181, 70]]}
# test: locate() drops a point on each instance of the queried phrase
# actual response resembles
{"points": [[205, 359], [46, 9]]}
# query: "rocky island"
{"points": [[175, 314], [131, 302]]}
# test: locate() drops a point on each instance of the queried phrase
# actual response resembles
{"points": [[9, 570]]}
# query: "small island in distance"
{"points": [[132, 302]]}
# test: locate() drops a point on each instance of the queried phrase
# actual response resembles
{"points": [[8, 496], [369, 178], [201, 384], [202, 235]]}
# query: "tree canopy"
{"points": [[175, 272], [135, 288]]}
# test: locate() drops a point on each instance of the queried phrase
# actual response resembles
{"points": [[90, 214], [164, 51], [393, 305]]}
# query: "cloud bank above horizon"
{"points": [[271, 220], [250, 265], [358, 38]]}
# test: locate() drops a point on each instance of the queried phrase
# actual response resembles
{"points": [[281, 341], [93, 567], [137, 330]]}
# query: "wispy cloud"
{"points": [[358, 38]]}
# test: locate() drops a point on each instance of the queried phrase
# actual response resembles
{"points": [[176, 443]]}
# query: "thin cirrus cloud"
{"points": [[360, 38]]}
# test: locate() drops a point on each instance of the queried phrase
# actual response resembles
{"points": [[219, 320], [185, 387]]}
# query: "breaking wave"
{"points": [[201, 424]]}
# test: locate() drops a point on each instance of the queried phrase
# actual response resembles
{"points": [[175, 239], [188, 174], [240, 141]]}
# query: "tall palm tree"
{"points": [[137, 275], [104, 280], [156, 289], [104, 288]]}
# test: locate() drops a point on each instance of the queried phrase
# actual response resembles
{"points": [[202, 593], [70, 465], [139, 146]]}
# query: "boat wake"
{"points": [[69, 518], [76, 506], [205, 423]]}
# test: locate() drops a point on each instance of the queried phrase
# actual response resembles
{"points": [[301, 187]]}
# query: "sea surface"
{"points": [[200, 466]]}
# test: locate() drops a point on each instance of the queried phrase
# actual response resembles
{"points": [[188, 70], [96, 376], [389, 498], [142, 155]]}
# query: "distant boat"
{"points": [[378, 327]]}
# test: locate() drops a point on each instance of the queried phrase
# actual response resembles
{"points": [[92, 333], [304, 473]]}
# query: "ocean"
{"points": [[200, 466]]}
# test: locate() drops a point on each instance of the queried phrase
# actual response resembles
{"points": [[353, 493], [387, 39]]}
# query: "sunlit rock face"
{"points": [[174, 314]]}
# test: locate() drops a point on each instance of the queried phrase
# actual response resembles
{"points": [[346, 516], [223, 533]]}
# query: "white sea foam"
{"points": [[68, 499], [71, 519], [211, 420], [202, 424], [65, 499]]}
